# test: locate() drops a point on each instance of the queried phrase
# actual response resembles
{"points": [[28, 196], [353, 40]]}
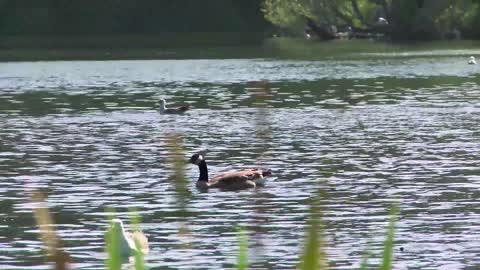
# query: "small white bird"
{"points": [[179, 110], [128, 241], [472, 60], [382, 21]]}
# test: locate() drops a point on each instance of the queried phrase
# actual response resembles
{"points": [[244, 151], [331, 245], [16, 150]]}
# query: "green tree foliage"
{"points": [[408, 19], [292, 13], [287, 13]]}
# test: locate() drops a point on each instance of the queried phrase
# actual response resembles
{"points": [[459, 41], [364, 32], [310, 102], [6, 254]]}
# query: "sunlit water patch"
{"points": [[145, 75]]}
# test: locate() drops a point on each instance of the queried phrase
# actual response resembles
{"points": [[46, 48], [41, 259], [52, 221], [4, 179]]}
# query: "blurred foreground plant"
{"points": [[242, 256], [389, 241], [178, 164], [138, 256], [51, 241], [314, 256], [112, 244]]}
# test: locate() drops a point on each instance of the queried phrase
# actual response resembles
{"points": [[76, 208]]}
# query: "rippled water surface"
{"points": [[368, 133]]}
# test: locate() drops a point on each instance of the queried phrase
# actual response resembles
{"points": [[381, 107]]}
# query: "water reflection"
{"points": [[369, 133]]}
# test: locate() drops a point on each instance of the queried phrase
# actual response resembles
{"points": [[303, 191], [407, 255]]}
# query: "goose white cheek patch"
{"points": [[199, 159]]}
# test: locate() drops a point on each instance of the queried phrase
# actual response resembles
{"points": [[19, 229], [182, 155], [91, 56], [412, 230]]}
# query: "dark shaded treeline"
{"points": [[113, 17]]}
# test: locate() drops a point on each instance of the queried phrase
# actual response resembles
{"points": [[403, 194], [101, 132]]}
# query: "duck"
{"points": [[179, 110], [232, 180], [472, 60], [127, 241]]}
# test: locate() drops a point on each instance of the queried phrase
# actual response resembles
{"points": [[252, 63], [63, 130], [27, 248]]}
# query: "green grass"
{"points": [[207, 46], [242, 256], [389, 241], [164, 46], [104, 54], [114, 261], [173, 40], [298, 48], [313, 257], [138, 256]]}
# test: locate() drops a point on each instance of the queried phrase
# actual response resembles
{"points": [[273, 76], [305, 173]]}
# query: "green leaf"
{"points": [[313, 257], [242, 257], [138, 256], [114, 261], [389, 241]]}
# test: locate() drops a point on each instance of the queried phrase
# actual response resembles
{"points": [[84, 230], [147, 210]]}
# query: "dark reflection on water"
{"points": [[368, 133]]}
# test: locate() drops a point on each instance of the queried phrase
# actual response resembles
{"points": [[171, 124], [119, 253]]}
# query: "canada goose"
{"points": [[128, 241], [472, 60], [233, 180], [179, 110]]}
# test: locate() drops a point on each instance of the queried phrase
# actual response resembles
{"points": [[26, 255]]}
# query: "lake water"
{"points": [[368, 133]]}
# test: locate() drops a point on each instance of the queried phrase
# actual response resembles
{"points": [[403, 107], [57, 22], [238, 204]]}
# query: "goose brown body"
{"points": [[232, 180]]}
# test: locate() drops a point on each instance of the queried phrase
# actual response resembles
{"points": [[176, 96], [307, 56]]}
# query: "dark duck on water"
{"points": [[179, 110]]}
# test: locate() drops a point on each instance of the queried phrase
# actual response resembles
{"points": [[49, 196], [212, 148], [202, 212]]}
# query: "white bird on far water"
{"points": [[472, 60]]}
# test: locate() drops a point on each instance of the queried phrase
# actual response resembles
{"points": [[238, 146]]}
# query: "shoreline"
{"points": [[34, 55], [129, 47], [277, 48]]}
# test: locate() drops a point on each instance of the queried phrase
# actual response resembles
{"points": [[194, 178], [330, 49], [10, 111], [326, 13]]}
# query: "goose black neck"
{"points": [[203, 171]]}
